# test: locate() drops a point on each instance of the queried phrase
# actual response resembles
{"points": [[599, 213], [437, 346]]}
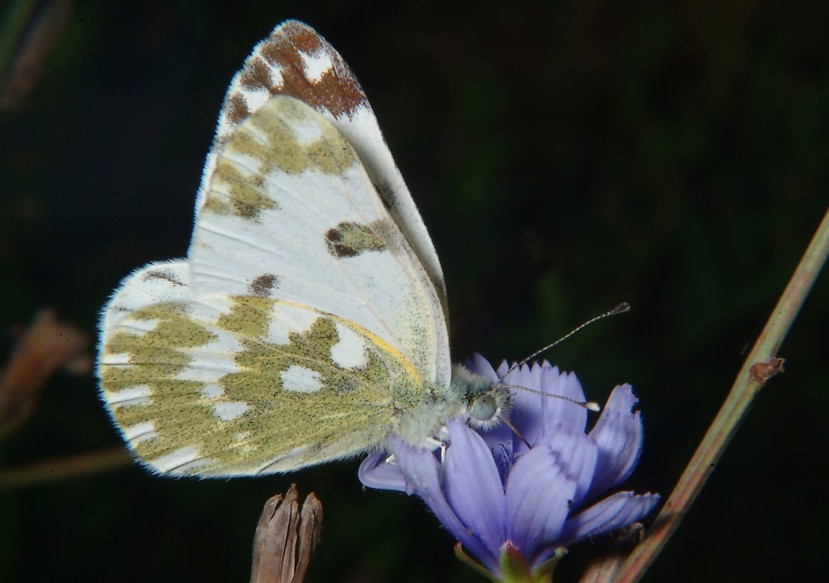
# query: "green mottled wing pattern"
{"points": [[244, 386], [300, 329]]}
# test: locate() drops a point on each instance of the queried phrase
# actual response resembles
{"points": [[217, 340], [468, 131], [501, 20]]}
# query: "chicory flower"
{"points": [[525, 494]]}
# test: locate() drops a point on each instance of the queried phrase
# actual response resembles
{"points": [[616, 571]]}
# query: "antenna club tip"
{"points": [[592, 406], [621, 308]]}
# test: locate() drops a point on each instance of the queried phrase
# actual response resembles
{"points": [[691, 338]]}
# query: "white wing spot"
{"points": [[306, 132], [115, 358], [283, 461], [228, 411], [316, 65], [139, 432], [241, 437], [139, 395], [211, 391], [243, 444], [349, 352], [175, 459], [301, 380], [290, 321]]}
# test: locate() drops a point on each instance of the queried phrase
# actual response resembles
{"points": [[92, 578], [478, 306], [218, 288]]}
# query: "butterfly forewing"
{"points": [[291, 214], [296, 61]]}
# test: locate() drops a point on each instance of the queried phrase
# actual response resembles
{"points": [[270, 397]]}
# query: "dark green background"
{"points": [[565, 156]]}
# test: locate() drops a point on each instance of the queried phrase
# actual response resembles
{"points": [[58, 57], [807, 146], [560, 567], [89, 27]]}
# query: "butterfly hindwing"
{"points": [[159, 282], [238, 385]]}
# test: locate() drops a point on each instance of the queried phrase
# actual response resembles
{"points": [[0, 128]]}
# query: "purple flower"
{"points": [[493, 492]]}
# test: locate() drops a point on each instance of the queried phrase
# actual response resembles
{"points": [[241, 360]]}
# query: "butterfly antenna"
{"points": [[620, 309], [589, 405]]}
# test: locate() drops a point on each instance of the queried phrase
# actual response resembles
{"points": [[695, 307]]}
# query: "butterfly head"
{"points": [[485, 401]]}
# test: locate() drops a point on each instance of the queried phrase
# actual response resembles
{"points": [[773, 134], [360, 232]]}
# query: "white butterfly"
{"points": [[308, 321]]}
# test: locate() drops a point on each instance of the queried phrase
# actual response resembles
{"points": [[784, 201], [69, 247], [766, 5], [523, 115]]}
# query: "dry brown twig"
{"points": [[46, 346], [30, 40]]}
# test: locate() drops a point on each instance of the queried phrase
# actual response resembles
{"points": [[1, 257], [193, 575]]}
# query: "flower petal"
{"points": [[538, 499], [534, 414], [376, 472], [526, 407], [422, 472], [481, 367], [577, 454], [559, 411], [473, 485], [502, 369], [619, 434], [616, 511]]}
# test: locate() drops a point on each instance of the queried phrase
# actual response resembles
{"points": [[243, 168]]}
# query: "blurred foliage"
{"points": [[565, 156]]}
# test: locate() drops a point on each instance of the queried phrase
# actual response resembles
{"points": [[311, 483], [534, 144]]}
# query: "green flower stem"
{"points": [[514, 569], [760, 365]]}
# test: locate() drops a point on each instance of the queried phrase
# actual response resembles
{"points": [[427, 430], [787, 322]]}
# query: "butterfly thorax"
{"points": [[472, 396]]}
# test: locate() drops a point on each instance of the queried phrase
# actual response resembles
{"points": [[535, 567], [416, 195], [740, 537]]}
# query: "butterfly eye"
{"points": [[484, 409]]}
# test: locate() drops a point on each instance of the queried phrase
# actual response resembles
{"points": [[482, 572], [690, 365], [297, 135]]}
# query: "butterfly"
{"points": [[308, 321]]}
